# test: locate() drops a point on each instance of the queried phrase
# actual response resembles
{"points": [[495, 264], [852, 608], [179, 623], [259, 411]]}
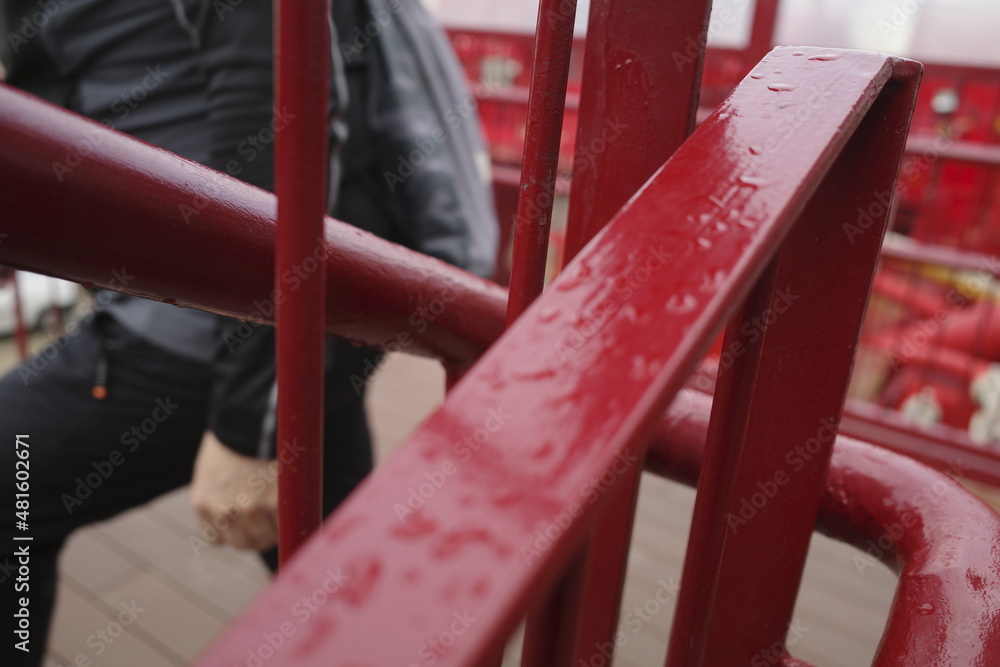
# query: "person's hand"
{"points": [[236, 495]]}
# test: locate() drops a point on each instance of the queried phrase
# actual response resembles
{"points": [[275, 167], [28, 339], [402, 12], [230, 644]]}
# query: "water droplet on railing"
{"points": [[681, 304], [825, 56], [548, 314], [780, 87], [753, 181], [926, 609]]}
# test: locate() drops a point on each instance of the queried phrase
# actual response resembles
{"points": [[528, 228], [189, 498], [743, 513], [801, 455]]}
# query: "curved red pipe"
{"points": [[942, 541], [125, 209]]}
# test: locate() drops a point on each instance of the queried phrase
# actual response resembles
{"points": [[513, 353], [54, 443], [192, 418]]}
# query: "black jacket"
{"points": [[194, 77]]}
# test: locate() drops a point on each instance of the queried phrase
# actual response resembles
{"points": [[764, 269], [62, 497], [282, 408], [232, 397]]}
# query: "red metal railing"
{"points": [[581, 406], [745, 218], [943, 197]]}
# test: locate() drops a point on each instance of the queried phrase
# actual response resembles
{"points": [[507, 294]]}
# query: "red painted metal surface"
{"points": [[223, 232], [546, 104], [942, 541], [563, 398], [801, 348], [619, 152], [584, 607], [427, 565], [301, 166]]}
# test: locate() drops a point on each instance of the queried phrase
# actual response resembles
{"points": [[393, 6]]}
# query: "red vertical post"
{"points": [[638, 102], [546, 104], [796, 369], [548, 641], [302, 52]]}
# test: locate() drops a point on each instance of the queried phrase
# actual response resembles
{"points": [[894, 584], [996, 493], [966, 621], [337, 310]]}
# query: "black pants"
{"points": [[90, 459]]}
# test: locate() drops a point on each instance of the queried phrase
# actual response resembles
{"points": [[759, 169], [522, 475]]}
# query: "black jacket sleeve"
{"points": [[234, 47]]}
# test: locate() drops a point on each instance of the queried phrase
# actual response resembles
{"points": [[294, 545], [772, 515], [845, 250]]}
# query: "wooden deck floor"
{"points": [[143, 557]]}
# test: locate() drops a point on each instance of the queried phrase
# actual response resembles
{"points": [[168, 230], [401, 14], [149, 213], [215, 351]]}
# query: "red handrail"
{"points": [[557, 406], [208, 240]]}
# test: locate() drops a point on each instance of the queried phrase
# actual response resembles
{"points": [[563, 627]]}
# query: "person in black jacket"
{"points": [[143, 388]]}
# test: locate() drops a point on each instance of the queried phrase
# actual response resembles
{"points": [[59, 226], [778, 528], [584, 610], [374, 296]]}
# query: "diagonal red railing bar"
{"points": [[476, 515], [942, 541], [583, 612], [144, 221]]}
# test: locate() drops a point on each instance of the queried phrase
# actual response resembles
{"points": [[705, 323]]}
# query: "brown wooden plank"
{"points": [[78, 622], [171, 617]]}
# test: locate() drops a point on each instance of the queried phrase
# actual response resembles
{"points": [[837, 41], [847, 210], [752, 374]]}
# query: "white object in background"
{"points": [[984, 426], [39, 295]]}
